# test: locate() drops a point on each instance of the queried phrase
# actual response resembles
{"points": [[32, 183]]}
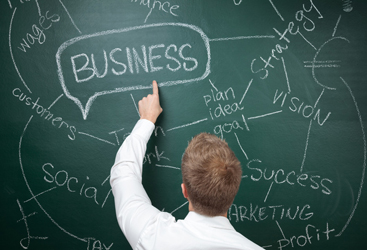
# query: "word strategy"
{"points": [[261, 67]]}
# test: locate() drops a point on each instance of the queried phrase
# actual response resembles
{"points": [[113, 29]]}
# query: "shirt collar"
{"points": [[215, 221]]}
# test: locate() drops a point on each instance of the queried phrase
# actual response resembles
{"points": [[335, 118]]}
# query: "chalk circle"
{"points": [[316, 61], [34, 197]]}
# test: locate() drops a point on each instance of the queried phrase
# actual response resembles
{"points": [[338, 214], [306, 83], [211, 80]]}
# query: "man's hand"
{"points": [[149, 107]]}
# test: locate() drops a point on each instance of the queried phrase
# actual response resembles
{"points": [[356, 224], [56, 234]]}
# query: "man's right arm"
{"points": [[133, 207]]}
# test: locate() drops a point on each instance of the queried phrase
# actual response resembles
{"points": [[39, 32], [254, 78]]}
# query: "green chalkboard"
{"points": [[282, 81]]}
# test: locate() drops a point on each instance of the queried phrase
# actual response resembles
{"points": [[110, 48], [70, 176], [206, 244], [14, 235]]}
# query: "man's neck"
{"points": [[191, 209]]}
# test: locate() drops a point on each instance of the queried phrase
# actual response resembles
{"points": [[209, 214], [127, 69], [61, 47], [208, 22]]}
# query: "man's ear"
{"points": [[184, 190]]}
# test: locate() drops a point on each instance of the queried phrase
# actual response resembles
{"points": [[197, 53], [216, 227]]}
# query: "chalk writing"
{"points": [[297, 106], [280, 176], [38, 31], [257, 213], [158, 155], [311, 234], [12, 54], [158, 5], [226, 128], [118, 63], [134, 61], [29, 237], [57, 122], [227, 109], [306, 23], [94, 244], [61, 178]]}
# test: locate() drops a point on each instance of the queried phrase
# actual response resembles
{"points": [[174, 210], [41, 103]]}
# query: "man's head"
{"points": [[211, 174]]}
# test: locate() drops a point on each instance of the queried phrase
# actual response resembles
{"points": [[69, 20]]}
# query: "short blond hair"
{"points": [[211, 173]]}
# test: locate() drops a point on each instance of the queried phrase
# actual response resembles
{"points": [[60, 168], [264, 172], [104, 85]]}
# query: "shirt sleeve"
{"points": [[133, 206]]}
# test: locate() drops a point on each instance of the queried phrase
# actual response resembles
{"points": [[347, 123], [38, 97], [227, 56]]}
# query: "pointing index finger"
{"points": [[155, 88]]}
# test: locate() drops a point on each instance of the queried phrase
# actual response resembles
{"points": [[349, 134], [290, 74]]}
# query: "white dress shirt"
{"points": [[144, 226]]}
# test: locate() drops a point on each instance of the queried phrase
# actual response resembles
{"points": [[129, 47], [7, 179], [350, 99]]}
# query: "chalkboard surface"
{"points": [[284, 82]]}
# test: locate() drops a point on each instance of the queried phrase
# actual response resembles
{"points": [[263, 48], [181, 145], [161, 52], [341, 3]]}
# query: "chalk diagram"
{"points": [[217, 103]]}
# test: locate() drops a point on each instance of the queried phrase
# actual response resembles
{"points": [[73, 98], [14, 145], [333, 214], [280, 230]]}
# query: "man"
{"points": [[211, 178]]}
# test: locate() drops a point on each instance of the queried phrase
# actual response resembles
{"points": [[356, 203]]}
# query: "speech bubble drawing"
{"points": [[134, 62]]}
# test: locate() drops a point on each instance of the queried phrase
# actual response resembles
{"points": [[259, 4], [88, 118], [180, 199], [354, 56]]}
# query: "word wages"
{"points": [[37, 34]]}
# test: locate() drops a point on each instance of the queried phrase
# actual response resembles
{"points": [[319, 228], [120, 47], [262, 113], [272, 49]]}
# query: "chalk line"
{"points": [[280, 229], [314, 61], [150, 12], [97, 138], [240, 38], [318, 99], [244, 121], [108, 194], [276, 10], [286, 76], [248, 86], [48, 190], [267, 194], [327, 61], [105, 180], [23, 214], [213, 85], [166, 166], [11, 52], [304, 38], [71, 19], [136, 108], [10, 4], [179, 207], [24, 218], [189, 124], [364, 158], [336, 26], [30, 190], [239, 144], [281, 35], [260, 116], [38, 8], [305, 152], [115, 133], [323, 66], [55, 101]]}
